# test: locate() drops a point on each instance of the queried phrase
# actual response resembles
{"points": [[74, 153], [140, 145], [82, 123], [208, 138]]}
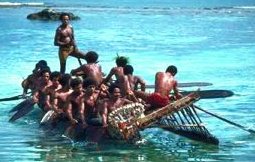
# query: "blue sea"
{"points": [[209, 41]]}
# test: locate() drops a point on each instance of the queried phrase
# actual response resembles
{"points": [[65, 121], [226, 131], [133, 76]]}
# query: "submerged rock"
{"points": [[50, 14]]}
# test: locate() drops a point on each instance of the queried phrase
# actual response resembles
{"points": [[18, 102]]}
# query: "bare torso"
{"points": [[93, 71], [61, 97], [64, 36], [164, 83], [113, 105]]}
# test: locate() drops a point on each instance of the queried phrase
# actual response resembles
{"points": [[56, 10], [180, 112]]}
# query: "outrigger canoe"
{"points": [[125, 122]]}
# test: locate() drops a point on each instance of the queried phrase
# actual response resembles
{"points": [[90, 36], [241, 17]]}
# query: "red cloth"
{"points": [[157, 101]]}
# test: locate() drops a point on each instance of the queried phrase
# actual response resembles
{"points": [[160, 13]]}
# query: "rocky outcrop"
{"points": [[49, 14]]}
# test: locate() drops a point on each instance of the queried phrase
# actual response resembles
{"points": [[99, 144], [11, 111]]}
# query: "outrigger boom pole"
{"points": [[226, 120]]}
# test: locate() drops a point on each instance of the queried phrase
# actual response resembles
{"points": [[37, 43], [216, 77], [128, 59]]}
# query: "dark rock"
{"points": [[50, 14]]}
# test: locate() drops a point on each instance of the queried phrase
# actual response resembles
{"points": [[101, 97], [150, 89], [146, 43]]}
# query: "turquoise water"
{"points": [[208, 41]]}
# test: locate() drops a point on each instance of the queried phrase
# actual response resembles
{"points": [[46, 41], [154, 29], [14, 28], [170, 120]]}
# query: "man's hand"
{"points": [[74, 121]]}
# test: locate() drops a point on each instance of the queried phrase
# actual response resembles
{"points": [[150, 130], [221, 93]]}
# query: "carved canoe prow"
{"points": [[125, 123]]}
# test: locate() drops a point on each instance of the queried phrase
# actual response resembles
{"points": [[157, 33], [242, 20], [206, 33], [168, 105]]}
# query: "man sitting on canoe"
{"points": [[117, 71], [51, 90], [91, 69], [115, 101], [31, 81], [164, 84], [74, 112], [61, 95], [44, 82], [91, 99]]}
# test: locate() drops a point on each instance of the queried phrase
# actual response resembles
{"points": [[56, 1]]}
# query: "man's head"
{"points": [[172, 69], [64, 17], [45, 74], [121, 61], [114, 91], [55, 77], [40, 65], [128, 69], [89, 84], [65, 80], [91, 57], [76, 85]]}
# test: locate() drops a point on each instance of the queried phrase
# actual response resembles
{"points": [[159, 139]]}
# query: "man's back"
{"points": [[164, 83], [93, 71]]}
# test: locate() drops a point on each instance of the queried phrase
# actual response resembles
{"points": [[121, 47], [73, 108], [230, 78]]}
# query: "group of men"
{"points": [[86, 96]]}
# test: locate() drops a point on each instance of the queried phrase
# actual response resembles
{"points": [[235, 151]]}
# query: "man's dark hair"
{"points": [[45, 69], [39, 65], [63, 14], [128, 69], [91, 57], [172, 69], [121, 61], [112, 87], [55, 74], [88, 81], [65, 79], [75, 82]]}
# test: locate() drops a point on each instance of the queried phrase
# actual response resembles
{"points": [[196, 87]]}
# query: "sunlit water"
{"points": [[207, 42]]}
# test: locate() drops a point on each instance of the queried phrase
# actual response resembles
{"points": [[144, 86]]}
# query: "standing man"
{"points": [[64, 38]]}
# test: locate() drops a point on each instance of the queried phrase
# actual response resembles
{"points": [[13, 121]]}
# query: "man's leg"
{"points": [[63, 54], [78, 54]]}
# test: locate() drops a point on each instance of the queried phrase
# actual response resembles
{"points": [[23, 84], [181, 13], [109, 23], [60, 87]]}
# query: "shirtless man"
{"points": [[130, 81], [115, 101], [117, 71], [91, 69], [64, 38], [51, 90], [60, 97], [91, 101], [31, 80], [44, 82], [164, 84], [74, 111]]}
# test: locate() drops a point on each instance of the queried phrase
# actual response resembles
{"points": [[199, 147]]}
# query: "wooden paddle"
{"points": [[210, 94], [11, 98], [190, 84], [47, 117], [226, 120], [79, 60], [26, 107]]}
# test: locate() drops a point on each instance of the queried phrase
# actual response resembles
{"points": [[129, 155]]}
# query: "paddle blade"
{"points": [[20, 105], [209, 94], [23, 111], [190, 84], [47, 117]]}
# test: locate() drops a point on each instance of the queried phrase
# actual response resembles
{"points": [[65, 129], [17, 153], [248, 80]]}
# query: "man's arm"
{"points": [[141, 82], [81, 112], [57, 41], [104, 114], [177, 94], [73, 42], [109, 76], [78, 71], [69, 113]]}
